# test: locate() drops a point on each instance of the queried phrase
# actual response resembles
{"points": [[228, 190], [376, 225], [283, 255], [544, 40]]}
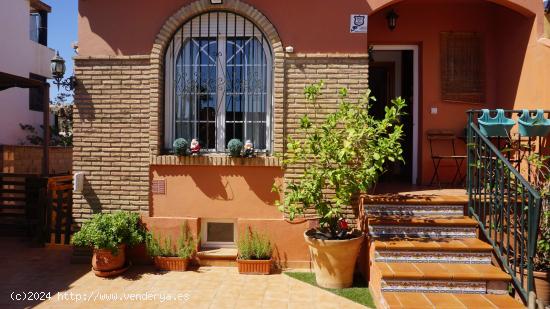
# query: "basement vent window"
{"points": [[217, 233]]}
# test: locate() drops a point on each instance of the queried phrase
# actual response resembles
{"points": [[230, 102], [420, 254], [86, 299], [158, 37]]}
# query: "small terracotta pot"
{"points": [[334, 260], [254, 267], [171, 263], [104, 260], [542, 286]]}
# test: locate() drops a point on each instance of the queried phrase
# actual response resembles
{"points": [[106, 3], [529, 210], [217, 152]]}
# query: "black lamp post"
{"points": [[392, 19], [57, 67]]}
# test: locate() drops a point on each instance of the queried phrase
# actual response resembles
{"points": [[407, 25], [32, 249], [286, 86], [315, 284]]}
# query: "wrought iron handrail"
{"points": [[506, 206]]}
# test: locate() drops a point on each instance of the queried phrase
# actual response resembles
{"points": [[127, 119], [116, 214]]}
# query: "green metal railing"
{"points": [[504, 203]]}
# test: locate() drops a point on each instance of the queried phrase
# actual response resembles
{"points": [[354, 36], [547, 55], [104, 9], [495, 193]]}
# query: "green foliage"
{"points": [[254, 246], [235, 146], [107, 231], [184, 248], [345, 155], [540, 174], [181, 147]]}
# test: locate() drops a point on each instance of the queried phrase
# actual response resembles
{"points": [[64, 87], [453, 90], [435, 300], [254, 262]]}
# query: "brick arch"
{"points": [[165, 36]]}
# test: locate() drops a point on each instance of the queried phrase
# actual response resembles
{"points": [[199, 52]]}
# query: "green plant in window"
{"points": [[235, 146], [343, 155], [181, 147]]}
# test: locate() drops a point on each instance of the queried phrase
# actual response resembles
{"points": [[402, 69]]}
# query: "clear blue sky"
{"points": [[62, 31]]}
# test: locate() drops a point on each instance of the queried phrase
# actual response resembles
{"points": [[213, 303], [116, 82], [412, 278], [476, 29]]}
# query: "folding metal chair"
{"points": [[444, 138]]}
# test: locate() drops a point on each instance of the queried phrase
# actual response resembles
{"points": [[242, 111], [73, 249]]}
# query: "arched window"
{"points": [[218, 83]]}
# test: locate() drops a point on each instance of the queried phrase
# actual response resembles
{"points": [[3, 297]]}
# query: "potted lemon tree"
{"points": [[108, 235], [172, 256], [345, 154], [254, 253]]}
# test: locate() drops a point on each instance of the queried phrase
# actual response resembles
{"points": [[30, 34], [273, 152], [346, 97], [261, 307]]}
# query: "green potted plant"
{"points": [[345, 155], [181, 147], [235, 146], [169, 256], [254, 253], [108, 235]]}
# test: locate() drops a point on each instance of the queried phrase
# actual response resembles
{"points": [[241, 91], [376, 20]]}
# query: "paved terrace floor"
{"points": [[46, 270]]}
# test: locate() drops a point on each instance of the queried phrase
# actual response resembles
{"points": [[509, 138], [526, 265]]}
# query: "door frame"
{"points": [[415, 124]]}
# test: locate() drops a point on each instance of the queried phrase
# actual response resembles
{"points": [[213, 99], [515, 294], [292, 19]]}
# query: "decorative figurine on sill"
{"points": [[195, 147], [248, 149]]}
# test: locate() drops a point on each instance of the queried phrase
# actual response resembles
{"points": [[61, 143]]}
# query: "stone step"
{"points": [[393, 300], [441, 278], [461, 251], [414, 210], [222, 257]]}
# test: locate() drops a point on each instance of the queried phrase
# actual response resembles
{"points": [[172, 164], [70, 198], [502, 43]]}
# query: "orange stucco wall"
{"points": [[195, 193]]}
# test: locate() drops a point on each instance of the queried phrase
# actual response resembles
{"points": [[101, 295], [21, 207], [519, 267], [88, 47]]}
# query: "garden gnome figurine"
{"points": [[195, 147], [248, 149]]}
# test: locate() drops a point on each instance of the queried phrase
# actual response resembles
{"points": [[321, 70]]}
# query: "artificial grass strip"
{"points": [[358, 293]]}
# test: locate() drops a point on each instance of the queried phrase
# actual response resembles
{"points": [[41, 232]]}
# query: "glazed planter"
{"points": [[171, 263], [254, 267], [334, 260], [537, 126], [105, 261], [498, 126]]}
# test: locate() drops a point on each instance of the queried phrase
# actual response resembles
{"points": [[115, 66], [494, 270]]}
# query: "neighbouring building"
{"points": [[149, 72], [24, 52]]}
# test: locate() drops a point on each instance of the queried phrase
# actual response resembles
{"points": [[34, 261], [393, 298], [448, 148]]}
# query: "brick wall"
{"points": [[28, 159], [111, 126]]}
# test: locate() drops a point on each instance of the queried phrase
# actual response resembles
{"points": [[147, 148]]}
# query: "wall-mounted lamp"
{"points": [[216, 1], [57, 67], [392, 19]]}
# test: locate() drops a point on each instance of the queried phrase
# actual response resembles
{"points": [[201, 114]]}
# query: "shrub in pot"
{"points": [[254, 253], [181, 147], [108, 235], [172, 256], [235, 146], [345, 154]]}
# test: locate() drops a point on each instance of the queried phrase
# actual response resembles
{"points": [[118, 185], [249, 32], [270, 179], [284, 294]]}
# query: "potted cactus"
{"points": [[254, 253], [109, 234], [172, 256], [235, 146]]}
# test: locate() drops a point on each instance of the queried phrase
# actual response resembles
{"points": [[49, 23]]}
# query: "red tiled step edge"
{"points": [[441, 271], [396, 300], [444, 244], [416, 199], [463, 221]]}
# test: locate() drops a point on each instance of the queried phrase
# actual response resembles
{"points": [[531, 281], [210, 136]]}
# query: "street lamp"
{"points": [[57, 67]]}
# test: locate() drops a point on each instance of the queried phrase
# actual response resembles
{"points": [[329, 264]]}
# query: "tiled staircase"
{"points": [[425, 253]]}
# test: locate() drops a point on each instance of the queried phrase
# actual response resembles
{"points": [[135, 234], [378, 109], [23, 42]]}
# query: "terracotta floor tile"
{"points": [[413, 300], [504, 301], [432, 270], [404, 270], [391, 299], [474, 301], [444, 301]]}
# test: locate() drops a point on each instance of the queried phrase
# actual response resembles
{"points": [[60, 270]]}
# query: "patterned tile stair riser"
{"points": [[436, 286], [416, 210], [422, 232], [433, 257]]}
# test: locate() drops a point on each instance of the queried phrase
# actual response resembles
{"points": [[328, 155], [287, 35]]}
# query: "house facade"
{"points": [[151, 72], [25, 26]]}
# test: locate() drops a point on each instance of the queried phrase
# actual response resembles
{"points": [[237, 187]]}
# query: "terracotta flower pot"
{"points": [[256, 267], [542, 286], [334, 260], [105, 261], [171, 263]]}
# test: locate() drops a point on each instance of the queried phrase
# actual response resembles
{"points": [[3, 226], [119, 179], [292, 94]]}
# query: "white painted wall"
{"points": [[19, 56]]}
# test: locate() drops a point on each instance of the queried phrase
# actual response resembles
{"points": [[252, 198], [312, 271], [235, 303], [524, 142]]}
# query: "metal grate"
{"points": [[158, 187], [219, 71]]}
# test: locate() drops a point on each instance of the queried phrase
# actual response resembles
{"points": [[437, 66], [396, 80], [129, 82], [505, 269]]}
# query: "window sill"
{"points": [[215, 160]]}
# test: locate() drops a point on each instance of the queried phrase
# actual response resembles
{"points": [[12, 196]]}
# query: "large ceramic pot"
{"points": [[104, 260], [334, 260]]}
